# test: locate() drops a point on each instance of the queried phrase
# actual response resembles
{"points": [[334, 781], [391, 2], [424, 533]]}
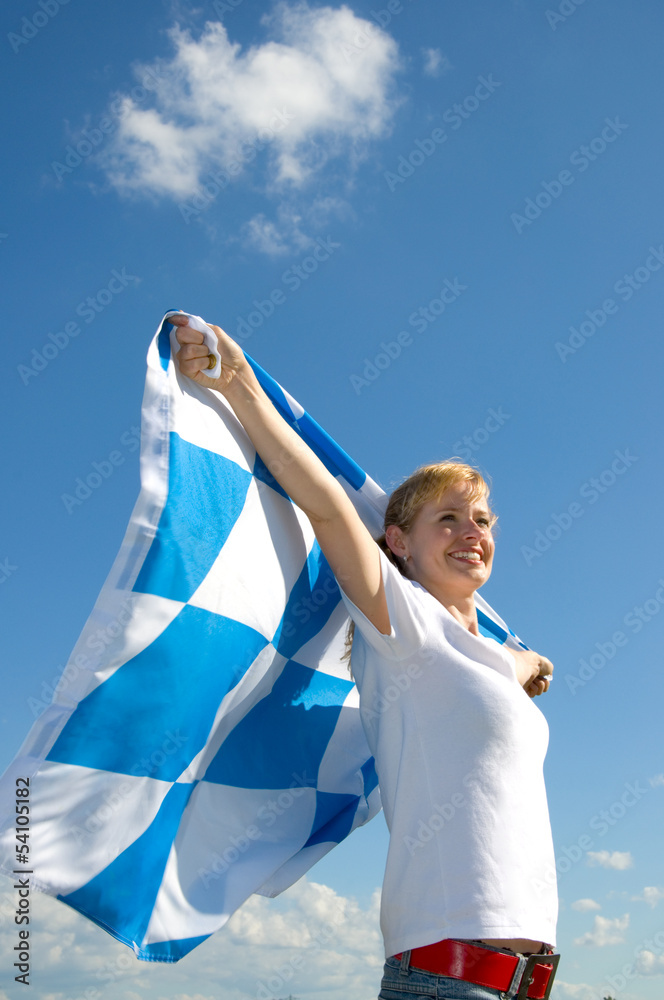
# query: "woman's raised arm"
{"points": [[347, 545]]}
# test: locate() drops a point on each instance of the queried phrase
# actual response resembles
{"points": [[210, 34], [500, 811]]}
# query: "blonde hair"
{"points": [[428, 482]]}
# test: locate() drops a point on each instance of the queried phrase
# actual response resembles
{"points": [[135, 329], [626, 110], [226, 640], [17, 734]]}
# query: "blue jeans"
{"points": [[416, 984]]}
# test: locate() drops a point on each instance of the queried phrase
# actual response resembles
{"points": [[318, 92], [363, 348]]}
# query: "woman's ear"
{"points": [[394, 537]]}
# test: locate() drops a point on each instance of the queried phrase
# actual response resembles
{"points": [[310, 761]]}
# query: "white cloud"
{"points": [[651, 895], [188, 996], [435, 63], [294, 99], [312, 909], [72, 951], [285, 234], [310, 940], [619, 860], [275, 237], [657, 781], [605, 931], [573, 991], [649, 964], [584, 905]]}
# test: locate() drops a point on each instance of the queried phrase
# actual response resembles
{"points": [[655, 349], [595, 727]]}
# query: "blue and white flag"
{"points": [[204, 742]]}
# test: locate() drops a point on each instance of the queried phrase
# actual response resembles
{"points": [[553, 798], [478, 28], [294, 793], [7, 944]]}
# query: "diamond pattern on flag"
{"points": [[209, 746]]}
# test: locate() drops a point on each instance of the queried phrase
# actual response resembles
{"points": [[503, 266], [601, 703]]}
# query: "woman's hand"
{"points": [[533, 671], [193, 358]]}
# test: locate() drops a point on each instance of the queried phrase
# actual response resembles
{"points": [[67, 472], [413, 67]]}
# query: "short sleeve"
{"points": [[406, 611]]}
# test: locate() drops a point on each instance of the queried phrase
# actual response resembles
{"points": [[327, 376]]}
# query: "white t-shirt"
{"points": [[459, 749]]}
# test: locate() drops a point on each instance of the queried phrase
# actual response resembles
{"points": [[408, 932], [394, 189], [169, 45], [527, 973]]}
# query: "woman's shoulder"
{"points": [[406, 604]]}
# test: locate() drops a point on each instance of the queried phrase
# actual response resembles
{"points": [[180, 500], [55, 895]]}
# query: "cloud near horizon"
{"points": [[309, 939], [574, 991]]}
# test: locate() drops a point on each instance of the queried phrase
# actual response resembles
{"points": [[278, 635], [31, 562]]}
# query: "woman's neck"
{"points": [[465, 613], [460, 606]]}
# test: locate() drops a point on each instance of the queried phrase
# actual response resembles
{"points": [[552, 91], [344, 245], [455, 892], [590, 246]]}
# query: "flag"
{"points": [[204, 742]]}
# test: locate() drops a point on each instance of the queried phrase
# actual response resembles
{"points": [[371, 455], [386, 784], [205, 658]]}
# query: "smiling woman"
{"points": [[459, 752], [439, 523]]}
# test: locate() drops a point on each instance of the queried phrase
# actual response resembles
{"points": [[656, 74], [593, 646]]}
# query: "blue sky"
{"points": [[440, 227]]}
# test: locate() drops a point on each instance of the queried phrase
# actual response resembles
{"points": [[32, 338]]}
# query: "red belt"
{"points": [[485, 967]]}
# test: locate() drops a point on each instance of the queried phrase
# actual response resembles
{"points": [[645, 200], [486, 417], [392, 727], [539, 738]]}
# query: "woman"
{"points": [[459, 754]]}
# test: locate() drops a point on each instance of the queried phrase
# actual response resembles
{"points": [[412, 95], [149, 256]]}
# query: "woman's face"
{"points": [[450, 545]]}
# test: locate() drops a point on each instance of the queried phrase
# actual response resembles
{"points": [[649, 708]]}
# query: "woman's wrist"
{"points": [[245, 394]]}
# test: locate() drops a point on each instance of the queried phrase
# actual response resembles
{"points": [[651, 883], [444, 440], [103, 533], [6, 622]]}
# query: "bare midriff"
{"points": [[521, 945]]}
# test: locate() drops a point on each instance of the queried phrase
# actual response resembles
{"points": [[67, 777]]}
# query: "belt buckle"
{"points": [[527, 975]]}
